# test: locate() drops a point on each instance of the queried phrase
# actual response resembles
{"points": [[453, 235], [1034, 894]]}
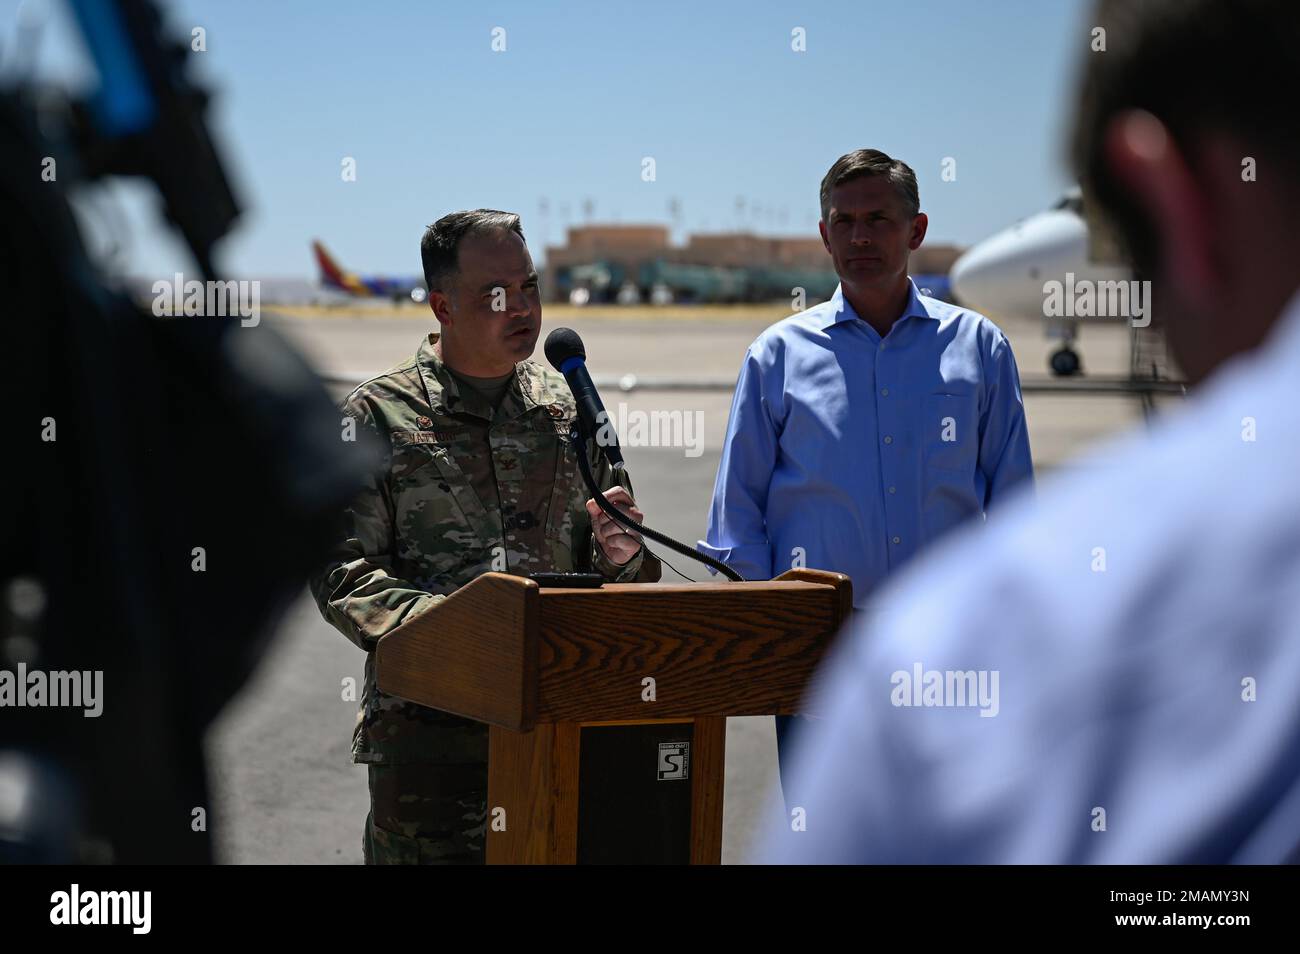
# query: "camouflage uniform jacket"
{"points": [[462, 490]]}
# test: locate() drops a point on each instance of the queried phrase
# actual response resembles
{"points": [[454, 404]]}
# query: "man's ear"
{"points": [[821, 227], [919, 226], [440, 304], [1145, 158]]}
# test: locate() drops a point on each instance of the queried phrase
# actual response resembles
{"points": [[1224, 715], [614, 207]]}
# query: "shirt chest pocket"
{"points": [[433, 510], [949, 429], [568, 496]]}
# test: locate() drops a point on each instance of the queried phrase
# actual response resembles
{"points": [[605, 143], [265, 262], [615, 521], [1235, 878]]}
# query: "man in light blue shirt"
{"points": [[865, 428], [1108, 673]]}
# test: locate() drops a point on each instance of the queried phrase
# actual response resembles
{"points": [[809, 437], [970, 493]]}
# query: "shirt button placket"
{"points": [[887, 420]]}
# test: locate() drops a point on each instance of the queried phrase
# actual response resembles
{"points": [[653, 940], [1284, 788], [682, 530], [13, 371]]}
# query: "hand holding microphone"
{"points": [[618, 544]]}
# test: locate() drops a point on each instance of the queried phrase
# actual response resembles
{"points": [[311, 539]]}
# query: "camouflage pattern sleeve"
{"points": [[642, 568], [357, 590]]}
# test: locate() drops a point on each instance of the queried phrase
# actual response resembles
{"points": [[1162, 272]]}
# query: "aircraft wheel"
{"points": [[1065, 362]]}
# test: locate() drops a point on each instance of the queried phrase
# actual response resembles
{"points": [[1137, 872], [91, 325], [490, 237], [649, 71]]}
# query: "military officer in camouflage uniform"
{"points": [[477, 476]]}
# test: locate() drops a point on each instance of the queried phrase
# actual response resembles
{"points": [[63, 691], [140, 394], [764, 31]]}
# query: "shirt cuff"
{"points": [[612, 571], [751, 562]]}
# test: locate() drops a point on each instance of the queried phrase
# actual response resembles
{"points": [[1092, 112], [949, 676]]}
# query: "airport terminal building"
{"points": [[639, 263]]}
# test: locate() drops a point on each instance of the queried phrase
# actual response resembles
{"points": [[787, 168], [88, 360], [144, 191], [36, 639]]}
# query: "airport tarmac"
{"points": [[285, 788]]}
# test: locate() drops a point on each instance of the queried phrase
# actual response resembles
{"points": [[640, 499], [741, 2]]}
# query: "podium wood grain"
{"points": [[533, 791]]}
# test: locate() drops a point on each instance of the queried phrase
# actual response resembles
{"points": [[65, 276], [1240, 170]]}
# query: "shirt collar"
{"points": [[444, 394], [838, 308]]}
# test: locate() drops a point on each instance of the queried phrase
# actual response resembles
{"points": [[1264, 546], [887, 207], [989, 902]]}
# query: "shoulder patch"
{"points": [[394, 384]]}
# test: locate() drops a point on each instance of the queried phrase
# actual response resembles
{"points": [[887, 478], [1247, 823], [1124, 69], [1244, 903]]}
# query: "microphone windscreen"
{"points": [[563, 344]]}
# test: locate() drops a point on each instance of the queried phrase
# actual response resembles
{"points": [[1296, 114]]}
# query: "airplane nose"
{"points": [[975, 276], [1004, 274]]}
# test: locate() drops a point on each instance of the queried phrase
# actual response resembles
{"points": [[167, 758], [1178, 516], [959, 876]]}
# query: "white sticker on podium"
{"points": [[674, 760]]}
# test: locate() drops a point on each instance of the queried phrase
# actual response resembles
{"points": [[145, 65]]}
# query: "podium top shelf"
{"points": [[505, 651], [689, 587]]}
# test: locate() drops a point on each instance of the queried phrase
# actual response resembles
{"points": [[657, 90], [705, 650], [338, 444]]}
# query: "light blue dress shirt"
{"points": [[1143, 614], [849, 452]]}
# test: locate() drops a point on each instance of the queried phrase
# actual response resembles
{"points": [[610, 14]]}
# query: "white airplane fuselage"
{"points": [[1004, 275]]}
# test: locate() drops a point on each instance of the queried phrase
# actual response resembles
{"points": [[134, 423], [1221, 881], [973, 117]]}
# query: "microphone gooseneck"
{"points": [[565, 352], [579, 446]]}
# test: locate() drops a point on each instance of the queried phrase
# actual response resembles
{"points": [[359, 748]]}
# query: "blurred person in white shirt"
{"points": [[1107, 673]]}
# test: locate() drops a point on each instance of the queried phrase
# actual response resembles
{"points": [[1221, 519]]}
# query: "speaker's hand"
{"points": [[617, 543]]}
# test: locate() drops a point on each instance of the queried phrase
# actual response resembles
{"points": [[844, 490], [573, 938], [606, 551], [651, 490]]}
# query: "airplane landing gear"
{"points": [[1065, 362]]}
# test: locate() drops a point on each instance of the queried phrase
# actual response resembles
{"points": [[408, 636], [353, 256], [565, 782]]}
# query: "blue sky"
{"points": [[436, 120]]}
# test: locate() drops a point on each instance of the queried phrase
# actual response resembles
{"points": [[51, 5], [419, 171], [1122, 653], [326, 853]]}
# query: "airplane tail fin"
{"points": [[330, 272]]}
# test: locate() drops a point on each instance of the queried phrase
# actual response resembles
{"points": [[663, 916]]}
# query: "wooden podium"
{"points": [[607, 707]]}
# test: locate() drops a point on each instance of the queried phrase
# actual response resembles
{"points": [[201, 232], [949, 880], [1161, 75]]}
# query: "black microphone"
{"points": [[567, 355]]}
